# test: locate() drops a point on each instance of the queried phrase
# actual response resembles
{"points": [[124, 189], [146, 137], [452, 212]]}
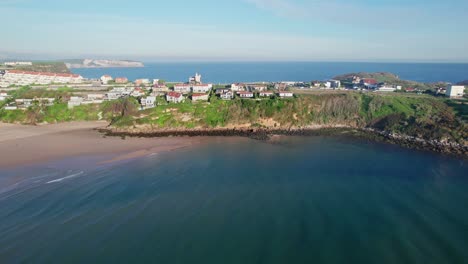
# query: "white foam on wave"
{"points": [[66, 177]]}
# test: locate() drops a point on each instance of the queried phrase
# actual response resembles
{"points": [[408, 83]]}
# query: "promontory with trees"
{"points": [[414, 120]]}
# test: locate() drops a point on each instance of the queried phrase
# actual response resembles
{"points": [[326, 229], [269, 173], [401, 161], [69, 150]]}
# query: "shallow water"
{"points": [[298, 200]]}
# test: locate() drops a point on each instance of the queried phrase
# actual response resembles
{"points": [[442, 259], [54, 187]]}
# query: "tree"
{"points": [[120, 108], [34, 113]]}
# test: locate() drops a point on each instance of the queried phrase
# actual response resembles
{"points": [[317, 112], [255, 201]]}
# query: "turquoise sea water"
{"points": [[230, 200], [229, 72]]}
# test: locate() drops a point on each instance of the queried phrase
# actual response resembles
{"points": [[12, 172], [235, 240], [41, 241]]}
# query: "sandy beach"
{"points": [[26, 145]]}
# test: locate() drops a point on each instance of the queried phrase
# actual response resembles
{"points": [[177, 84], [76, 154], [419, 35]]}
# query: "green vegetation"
{"points": [[46, 66], [422, 116], [417, 115], [388, 78]]}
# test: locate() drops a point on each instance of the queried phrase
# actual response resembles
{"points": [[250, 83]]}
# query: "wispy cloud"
{"points": [[280, 7]]}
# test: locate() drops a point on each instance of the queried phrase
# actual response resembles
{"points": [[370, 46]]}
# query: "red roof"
{"points": [[50, 74], [174, 94], [369, 81], [198, 94]]}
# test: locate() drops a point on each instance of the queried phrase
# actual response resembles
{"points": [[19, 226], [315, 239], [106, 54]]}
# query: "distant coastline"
{"points": [[97, 64]]}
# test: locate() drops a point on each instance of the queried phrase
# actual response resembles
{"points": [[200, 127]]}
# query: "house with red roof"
{"points": [[175, 97], [121, 80], [197, 97]]}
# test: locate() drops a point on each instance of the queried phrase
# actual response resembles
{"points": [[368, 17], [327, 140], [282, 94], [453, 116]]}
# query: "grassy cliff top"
{"points": [[379, 76], [389, 78], [45, 66]]}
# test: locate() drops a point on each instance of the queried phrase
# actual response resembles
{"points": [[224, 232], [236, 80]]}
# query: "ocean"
{"points": [[236, 200], [230, 72]]}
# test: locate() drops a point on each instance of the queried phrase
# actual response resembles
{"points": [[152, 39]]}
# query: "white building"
{"points": [[226, 95], [3, 96], [245, 94], [105, 79], [257, 87], [15, 77], [142, 81], [182, 88], [148, 102], [335, 84], [266, 94], [285, 94], [137, 92], [237, 87], [455, 91], [160, 88], [18, 63], [196, 79], [386, 89], [174, 97], [201, 88], [196, 97]]}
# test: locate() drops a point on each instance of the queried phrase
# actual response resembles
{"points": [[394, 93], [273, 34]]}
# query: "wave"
{"points": [[66, 177]]}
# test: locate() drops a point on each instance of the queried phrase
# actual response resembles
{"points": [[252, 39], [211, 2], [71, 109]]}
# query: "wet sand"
{"points": [[27, 145]]}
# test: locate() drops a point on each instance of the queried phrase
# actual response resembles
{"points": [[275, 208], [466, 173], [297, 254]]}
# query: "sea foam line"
{"points": [[67, 177]]}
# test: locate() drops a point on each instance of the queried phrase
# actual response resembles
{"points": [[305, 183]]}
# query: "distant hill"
{"points": [[463, 83], [92, 63], [45, 66], [388, 78], [379, 76]]}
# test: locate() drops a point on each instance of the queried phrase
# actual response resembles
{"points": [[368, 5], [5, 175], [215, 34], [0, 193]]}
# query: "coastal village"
{"points": [[151, 92]]}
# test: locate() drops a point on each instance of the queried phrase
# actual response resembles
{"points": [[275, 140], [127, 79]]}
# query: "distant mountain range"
{"points": [[92, 63], [463, 83]]}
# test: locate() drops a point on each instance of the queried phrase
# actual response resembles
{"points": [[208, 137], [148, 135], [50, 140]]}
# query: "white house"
{"points": [[237, 87], [386, 89], [174, 97], [455, 91], [196, 97], [257, 87], [160, 88], [285, 94], [245, 94], [266, 94], [105, 79], [201, 88], [3, 96], [137, 92], [226, 95], [142, 81], [335, 84], [148, 102], [182, 88]]}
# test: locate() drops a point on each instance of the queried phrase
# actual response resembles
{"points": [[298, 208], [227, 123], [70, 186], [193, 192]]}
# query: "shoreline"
{"points": [[265, 134], [23, 145], [28, 145]]}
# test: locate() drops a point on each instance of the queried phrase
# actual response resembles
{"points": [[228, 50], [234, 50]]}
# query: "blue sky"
{"points": [[279, 30]]}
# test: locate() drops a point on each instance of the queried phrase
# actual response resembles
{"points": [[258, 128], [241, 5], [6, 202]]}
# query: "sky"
{"points": [[237, 30]]}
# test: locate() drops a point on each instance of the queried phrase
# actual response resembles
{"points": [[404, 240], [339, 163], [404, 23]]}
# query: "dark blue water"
{"points": [[283, 71], [300, 200]]}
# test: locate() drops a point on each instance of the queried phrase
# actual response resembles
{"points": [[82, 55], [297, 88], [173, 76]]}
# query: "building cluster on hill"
{"points": [[148, 91], [18, 63], [194, 89], [22, 78]]}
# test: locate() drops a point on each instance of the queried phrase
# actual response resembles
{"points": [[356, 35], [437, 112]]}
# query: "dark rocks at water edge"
{"points": [[265, 134]]}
